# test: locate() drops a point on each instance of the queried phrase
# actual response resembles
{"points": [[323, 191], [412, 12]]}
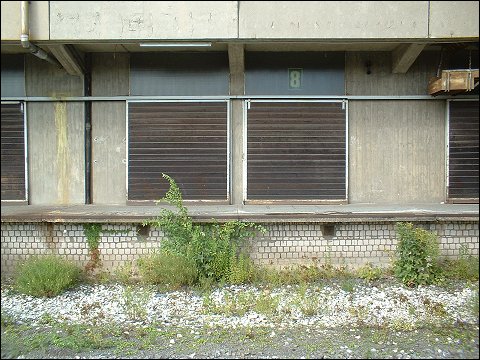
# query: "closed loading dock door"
{"points": [[296, 151], [186, 140], [463, 150], [13, 152]]}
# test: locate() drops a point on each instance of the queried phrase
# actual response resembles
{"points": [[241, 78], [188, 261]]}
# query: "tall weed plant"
{"points": [[465, 267], [213, 248], [171, 270], [417, 260], [46, 276]]}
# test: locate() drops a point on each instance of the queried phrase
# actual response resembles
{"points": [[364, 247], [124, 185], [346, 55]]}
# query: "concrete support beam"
{"points": [[237, 139], [237, 87], [236, 58], [463, 23], [404, 56], [69, 58]]}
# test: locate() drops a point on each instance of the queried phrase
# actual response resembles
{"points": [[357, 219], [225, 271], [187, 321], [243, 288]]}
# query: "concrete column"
{"points": [[237, 87]]}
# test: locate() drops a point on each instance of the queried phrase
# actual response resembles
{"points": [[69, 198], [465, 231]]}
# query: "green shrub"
{"points": [[242, 270], [168, 269], [463, 268], [266, 304], [210, 247], [295, 274], [126, 274], [418, 252], [46, 276], [369, 273]]}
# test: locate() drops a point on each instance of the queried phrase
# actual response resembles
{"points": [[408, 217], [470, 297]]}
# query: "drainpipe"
{"points": [[34, 49]]}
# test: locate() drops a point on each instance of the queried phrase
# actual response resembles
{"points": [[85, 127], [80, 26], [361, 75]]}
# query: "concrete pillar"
{"points": [[237, 87]]}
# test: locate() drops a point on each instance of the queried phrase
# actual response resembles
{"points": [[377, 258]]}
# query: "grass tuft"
{"points": [[46, 276]]}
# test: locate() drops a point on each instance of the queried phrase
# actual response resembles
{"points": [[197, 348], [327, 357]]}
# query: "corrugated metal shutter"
{"points": [[296, 150], [186, 140], [463, 150], [13, 152]]}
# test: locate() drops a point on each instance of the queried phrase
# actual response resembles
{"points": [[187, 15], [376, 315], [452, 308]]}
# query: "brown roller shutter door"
{"points": [[186, 140], [463, 150], [13, 152], [296, 151]]}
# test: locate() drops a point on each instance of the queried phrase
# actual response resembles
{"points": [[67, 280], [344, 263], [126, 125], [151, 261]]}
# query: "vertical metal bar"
{"points": [[25, 144], [447, 150], [345, 103], [229, 155], [126, 149], [245, 105]]}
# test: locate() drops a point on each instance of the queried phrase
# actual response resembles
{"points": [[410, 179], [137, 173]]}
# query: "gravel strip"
{"points": [[325, 306], [295, 320]]}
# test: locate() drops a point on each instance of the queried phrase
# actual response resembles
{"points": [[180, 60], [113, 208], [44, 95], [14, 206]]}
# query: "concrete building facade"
{"points": [[314, 118]]}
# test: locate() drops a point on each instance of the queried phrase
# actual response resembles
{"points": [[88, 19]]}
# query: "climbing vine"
{"points": [[93, 233]]}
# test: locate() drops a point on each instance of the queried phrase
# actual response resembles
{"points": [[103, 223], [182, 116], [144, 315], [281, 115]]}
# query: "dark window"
{"points": [[295, 73], [186, 140], [181, 74], [13, 75], [296, 150], [463, 150], [13, 152]]}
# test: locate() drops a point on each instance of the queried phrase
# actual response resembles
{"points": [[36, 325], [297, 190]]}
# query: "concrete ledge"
{"points": [[257, 213]]}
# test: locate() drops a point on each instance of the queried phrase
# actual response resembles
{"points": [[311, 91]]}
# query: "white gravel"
{"points": [[326, 306]]}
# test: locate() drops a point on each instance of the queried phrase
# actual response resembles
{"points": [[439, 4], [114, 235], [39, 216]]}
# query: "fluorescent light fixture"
{"points": [[167, 44]]}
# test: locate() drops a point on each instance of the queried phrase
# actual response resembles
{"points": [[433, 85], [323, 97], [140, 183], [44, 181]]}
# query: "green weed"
{"points": [[466, 267], [135, 301], [168, 269], [369, 273], [46, 276], [347, 285], [266, 304], [418, 253], [213, 248]]}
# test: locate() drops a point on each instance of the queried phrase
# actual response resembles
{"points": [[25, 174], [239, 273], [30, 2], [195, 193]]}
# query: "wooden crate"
{"points": [[454, 81]]}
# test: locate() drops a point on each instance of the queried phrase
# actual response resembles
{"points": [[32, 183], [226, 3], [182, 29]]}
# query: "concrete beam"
{"points": [[403, 56], [143, 20], [69, 58], [464, 22], [236, 59], [319, 20]]}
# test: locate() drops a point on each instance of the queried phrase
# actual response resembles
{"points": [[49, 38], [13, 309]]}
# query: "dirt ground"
{"points": [[461, 342]]}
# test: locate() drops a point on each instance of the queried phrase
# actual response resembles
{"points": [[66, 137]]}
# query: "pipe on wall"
{"points": [[24, 37]]}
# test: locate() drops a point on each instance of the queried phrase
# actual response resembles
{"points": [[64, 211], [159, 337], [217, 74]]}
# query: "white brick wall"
{"points": [[284, 243]]}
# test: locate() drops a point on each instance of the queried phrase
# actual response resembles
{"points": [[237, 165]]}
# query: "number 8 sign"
{"points": [[295, 78]]}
